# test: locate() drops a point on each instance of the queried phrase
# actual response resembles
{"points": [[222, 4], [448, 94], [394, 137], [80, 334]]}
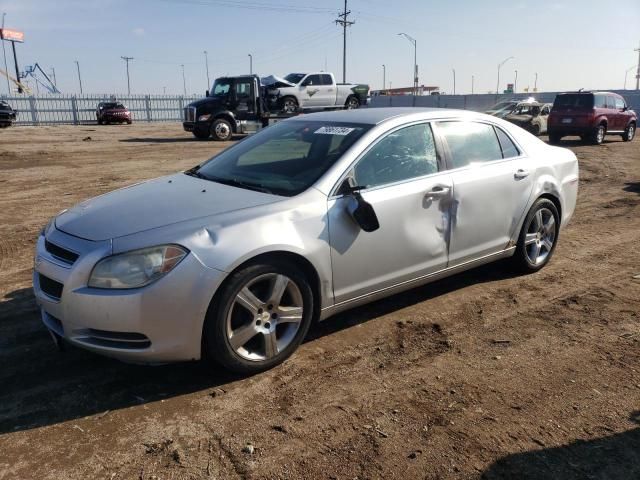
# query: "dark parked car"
{"points": [[112, 112], [591, 115], [7, 115]]}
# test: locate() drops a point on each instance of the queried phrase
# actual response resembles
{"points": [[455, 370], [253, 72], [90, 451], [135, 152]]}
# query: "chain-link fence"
{"points": [[81, 109]]}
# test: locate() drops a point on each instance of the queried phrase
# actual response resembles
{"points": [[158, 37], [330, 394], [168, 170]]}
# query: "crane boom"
{"points": [[16, 82]]}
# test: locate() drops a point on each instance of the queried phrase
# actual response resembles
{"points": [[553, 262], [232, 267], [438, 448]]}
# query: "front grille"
{"points": [[60, 253], [121, 340], [50, 287], [190, 114]]}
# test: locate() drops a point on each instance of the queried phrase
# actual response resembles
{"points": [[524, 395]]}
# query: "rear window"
{"points": [[574, 100]]}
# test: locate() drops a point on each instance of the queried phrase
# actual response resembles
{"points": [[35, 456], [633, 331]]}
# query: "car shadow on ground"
{"points": [[159, 140], [615, 457], [633, 187], [41, 386]]}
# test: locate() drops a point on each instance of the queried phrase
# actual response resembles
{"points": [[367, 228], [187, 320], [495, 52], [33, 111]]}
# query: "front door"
{"points": [[402, 179], [314, 93], [245, 98], [492, 182]]}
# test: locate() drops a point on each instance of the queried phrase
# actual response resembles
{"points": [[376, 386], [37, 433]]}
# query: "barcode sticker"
{"points": [[335, 130]]}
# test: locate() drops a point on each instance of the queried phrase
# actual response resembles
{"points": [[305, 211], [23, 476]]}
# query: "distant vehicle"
{"points": [[7, 115], [112, 112], [504, 108], [317, 90], [532, 116], [234, 259], [591, 115]]}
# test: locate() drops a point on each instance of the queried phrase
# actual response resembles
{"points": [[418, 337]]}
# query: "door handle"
{"points": [[521, 173], [438, 192]]}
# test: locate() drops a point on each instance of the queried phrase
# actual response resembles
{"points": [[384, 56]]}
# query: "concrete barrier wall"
{"points": [[482, 102]]}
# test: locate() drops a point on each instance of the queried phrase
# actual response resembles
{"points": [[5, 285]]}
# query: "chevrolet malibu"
{"points": [[233, 259]]}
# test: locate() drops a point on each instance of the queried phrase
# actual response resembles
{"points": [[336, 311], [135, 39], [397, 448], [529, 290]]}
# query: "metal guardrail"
{"points": [[81, 109], [482, 102]]}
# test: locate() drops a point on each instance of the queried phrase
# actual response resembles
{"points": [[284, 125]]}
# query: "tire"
{"points": [[538, 237], [352, 103], [629, 133], [554, 138], [597, 135], [100, 122], [263, 341], [221, 130], [201, 134], [129, 122], [289, 105], [535, 130]]}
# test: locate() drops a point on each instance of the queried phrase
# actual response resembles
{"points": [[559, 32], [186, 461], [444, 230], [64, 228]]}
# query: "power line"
{"points": [[343, 20]]}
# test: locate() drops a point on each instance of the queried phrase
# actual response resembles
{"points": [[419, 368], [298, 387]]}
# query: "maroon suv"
{"points": [[112, 112], [591, 115]]}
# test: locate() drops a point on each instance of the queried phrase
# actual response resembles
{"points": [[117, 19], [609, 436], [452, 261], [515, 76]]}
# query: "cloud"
{"points": [[138, 31]]}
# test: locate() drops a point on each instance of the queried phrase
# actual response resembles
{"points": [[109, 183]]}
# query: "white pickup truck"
{"points": [[310, 91]]}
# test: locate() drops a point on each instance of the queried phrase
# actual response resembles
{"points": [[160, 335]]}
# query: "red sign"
{"points": [[13, 35]]}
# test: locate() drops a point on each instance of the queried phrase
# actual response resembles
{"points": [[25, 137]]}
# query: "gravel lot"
{"points": [[481, 375]]}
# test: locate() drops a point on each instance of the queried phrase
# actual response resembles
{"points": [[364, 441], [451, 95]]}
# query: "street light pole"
{"points": [[384, 77], [206, 62], [454, 80], [128, 59], [499, 67], [515, 83], [79, 77], [535, 83], [250, 64], [625, 76], [4, 54], [473, 78], [415, 61], [184, 81]]}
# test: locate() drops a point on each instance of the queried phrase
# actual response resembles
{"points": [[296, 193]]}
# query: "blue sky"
{"points": [[569, 43]]}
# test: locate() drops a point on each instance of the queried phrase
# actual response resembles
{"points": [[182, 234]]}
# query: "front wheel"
{"points": [[554, 138], [259, 318], [289, 105], [629, 132], [221, 130], [538, 237]]}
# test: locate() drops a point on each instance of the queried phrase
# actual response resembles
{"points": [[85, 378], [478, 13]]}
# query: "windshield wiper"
{"points": [[194, 172], [234, 182]]}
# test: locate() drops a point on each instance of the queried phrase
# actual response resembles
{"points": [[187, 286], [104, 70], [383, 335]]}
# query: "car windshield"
{"points": [[285, 158], [294, 77], [502, 105], [576, 100], [106, 106], [220, 88]]}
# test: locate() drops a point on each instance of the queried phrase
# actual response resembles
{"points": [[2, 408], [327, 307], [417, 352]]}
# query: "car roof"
{"points": [[374, 116]]}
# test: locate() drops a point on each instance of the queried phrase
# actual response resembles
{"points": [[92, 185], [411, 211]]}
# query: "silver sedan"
{"points": [[233, 259]]}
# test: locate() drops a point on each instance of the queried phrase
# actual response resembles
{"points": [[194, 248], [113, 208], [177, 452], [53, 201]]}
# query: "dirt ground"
{"points": [[483, 375]]}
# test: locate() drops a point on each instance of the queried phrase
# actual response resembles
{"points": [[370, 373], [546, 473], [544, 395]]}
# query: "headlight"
{"points": [[136, 268], [204, 118]]}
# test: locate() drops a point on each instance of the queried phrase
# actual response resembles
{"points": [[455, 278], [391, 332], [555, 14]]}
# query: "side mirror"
{"points": [[306, 83], [359, 209], [206, 94]]}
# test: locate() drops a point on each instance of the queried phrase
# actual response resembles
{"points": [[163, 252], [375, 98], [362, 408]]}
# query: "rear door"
{"points": [[492, 182]]}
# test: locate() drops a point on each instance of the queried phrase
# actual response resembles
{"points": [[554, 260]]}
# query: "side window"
{"points": [[312, 80], [326, 79], [599, 101], [243, 89], [509, 150], [470, 142], [404, 154], [620, 103], [545, 110]]}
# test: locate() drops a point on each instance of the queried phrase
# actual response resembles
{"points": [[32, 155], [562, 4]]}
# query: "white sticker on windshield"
{"points": [[335, 130]]}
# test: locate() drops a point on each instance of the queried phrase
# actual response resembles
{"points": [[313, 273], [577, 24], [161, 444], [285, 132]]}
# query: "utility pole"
{"points": [[473, 79], [4, 54], [414, 42], [343, 20], [454, 80], [515, 83], [206, 62], [128, 59], [79, 77], [184, 81], [384, 77], [499, 67], [250, 64], [638, 70], [535, 83]]}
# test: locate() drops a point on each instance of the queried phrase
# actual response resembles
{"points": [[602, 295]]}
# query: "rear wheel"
{"points": [[259, 318], [597, 136], [554, 138], [629, 132], [221, 130], [352, 103], [289, 105], [538, 237]]}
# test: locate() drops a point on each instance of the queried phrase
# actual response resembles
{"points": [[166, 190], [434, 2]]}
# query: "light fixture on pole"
{"points": [[206, 63], [499, 67], [250, 64], [415, 61], [384, 77]]}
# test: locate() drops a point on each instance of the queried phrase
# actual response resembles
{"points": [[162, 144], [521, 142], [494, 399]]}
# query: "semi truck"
{"points": [[245, 104]]}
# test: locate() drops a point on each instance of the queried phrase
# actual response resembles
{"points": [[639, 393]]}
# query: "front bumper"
{"points": [[159, 323]]}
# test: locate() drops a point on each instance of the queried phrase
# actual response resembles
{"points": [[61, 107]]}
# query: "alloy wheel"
{"points": [[264, 317], [540, 236]]}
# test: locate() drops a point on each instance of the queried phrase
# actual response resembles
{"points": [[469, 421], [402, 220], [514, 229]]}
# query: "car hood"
{"points": [[155, 203], [273, 81], [207, 103]]}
